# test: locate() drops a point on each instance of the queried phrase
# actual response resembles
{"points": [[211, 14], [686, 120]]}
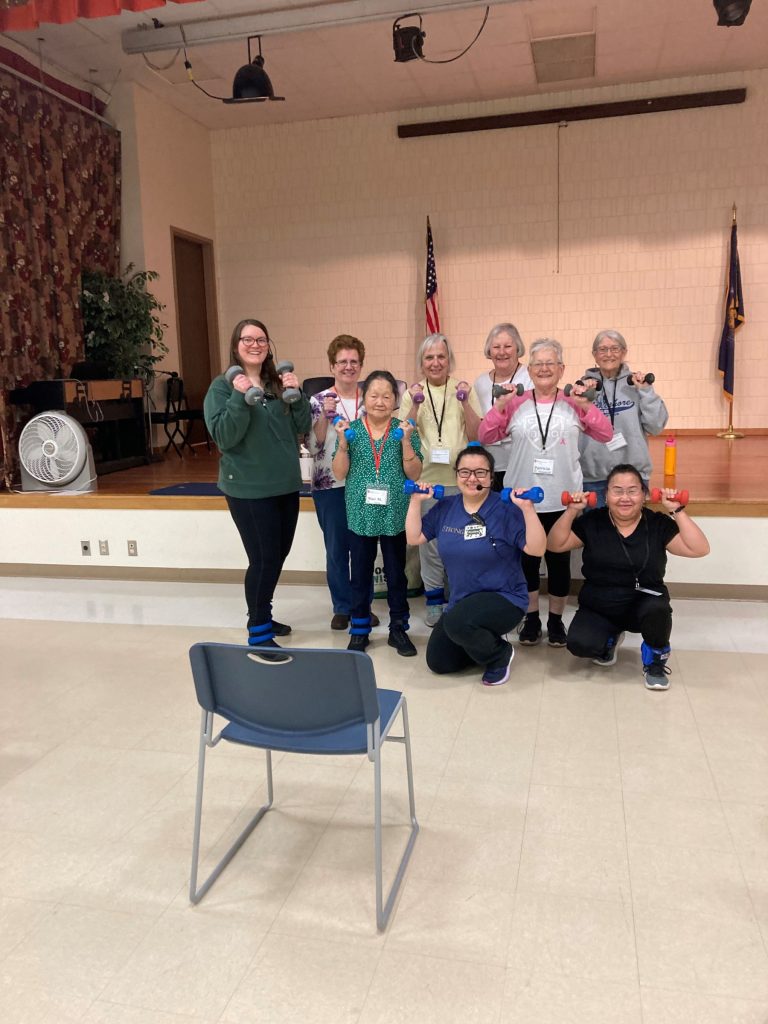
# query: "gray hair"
{"points": [[509, 329], [612, 336], [542, 343], [429, 341]]}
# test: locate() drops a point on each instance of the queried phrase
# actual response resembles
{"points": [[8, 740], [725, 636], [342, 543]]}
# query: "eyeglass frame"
{"points": [[480, 474]]}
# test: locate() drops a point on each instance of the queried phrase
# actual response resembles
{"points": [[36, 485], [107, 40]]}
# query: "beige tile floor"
{"points": [[590, 852]]}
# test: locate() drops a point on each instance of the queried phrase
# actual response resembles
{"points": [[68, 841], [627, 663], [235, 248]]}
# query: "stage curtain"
{"points": [[19, 15], [59, 213]]}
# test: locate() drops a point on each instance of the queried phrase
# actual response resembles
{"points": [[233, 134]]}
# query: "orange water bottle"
{"points": [[670, 456]]}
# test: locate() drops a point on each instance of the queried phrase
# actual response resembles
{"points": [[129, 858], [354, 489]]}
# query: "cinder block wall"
{"points": [[320, 230]]}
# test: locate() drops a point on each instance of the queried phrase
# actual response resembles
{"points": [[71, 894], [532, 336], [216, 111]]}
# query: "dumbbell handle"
{"points": [[568, 499], [648, 378], [411, 487], [590, 393], [253, 394], [348, 433], [499, 390], [681, 496], [534, 494]]}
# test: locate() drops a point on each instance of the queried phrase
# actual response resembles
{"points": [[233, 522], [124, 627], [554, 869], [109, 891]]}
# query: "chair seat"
{"points": [[350, 739]]}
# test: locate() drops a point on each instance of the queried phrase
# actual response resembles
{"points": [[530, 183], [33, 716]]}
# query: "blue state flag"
{"points": [[734, 318]]}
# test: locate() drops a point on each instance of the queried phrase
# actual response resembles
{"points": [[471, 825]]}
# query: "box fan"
{"points": [[55, 455]]}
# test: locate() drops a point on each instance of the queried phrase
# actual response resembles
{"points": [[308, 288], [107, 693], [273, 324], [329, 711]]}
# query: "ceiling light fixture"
{"points": [[251, 85], [732, 12], [408, 41]]}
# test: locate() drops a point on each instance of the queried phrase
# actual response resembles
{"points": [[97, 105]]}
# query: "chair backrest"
{"points": [[287, 690], [175, 399], [313, 385]]}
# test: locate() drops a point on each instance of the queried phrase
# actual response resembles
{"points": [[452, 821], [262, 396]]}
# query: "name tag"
{"points": [[376, 495], [474, 531], [543, 467], [617, 441], [441, 455]]}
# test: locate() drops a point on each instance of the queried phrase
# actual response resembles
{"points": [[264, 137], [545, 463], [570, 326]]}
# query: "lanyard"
{"points": [[357, 406], [377, 454], [434, 411], [545, 432], [637, 572]]}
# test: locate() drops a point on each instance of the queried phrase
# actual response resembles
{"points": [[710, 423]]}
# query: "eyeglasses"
{"points": [[545, 366], [619, 492], [347, 362], [254, 341], [608, 350], [479, 474]]}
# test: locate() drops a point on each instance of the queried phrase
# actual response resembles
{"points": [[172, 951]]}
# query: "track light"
{"points": [[252, 83], [732, 12], [407, 41]]}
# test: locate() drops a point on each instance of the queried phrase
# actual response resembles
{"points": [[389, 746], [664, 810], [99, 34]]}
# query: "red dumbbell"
{"points": [[499, 390], [568, 499], [681, 496]]}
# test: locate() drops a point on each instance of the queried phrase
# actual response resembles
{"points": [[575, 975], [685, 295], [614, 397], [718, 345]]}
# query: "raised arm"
{"points": [[690, 542], [561, 537]]}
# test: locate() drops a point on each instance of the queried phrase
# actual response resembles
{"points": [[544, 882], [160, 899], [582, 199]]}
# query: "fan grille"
{"points": [[52, 448]]}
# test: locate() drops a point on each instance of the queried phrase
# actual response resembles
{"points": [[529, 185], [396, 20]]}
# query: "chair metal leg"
{"points": [[384, 910], [195, 893]]}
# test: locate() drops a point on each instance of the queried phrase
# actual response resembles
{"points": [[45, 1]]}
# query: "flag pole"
{"points": [[729, 434]]}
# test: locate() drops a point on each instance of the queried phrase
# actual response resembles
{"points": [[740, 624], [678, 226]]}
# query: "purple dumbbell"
{"points": [[411, 487], [417, 396], [332, 414], [462, 391], [534, 494]]}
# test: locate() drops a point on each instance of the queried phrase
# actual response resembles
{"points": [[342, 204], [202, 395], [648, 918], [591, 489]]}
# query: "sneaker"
{"points": [[656, 675], [398, 639], [280, 628], [358, 643], [530, 630], [611, 652], [434, 612], [339, 621], [375, 620], [497, 676], [265, 643], [556, 632]]}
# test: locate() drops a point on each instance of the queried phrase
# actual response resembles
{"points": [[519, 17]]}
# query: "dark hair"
{"points": [[342, 341], [268, 370], [624, 467], [475, 449], [379, 375]]}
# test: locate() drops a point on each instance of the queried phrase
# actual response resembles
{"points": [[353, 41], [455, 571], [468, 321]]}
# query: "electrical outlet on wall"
{"points": [[133, 547], [85, 547], [103, 547]]}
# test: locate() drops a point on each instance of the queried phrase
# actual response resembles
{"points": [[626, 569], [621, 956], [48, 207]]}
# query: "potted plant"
{"points": [[121, 323]]}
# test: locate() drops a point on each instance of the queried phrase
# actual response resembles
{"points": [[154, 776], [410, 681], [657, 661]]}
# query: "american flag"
{"points": [[433, 314]]}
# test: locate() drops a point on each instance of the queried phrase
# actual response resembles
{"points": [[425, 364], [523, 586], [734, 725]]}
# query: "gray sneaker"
{"points": [[434, 612], [611, 652], [656, 676]]}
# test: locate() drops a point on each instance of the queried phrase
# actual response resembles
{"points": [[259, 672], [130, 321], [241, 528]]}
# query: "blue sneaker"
{"points": [[497, 676]]}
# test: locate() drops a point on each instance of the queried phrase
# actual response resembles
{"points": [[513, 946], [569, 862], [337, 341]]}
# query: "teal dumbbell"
{"points": [[411, 487], [348, 433]]}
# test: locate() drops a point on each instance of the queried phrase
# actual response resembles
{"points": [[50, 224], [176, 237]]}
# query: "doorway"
{"points": [[196, 315]]}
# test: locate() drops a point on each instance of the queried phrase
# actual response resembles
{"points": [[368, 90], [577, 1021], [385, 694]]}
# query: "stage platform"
{"points": [[187, 537]]}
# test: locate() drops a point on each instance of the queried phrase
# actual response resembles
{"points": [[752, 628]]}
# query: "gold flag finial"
{"points": [[734, 213]]}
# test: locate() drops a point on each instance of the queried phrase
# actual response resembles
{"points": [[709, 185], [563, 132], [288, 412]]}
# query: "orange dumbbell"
{"points": [[568, 499], [681, 496]]}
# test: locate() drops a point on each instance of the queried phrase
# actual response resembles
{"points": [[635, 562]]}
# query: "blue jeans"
{"points": [[332, 516]]}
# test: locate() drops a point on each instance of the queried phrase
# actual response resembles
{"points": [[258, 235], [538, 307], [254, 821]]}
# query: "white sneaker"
{"points": [[434, 612]]}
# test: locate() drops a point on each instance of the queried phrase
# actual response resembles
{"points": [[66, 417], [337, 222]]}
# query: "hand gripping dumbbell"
{"points": [[253, 394], [534, 494], [418, 396], [590, 393], [568, 499], [332, 414], [462, 391], [398, 433], [411, 487], [290, 395], [348, 433], [648, 378], [681, 496], [499, 390]]}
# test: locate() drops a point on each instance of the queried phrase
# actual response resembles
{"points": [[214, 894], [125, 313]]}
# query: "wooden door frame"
{"points": [[211, 305]]}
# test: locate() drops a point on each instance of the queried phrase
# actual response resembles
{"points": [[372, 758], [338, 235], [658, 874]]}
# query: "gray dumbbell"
{"points": [[253, 394], [290, 395], [499, 390], [648, 378], [589, 393]]}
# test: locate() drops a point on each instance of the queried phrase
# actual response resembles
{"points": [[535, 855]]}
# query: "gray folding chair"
{"points": [[308, 702]]}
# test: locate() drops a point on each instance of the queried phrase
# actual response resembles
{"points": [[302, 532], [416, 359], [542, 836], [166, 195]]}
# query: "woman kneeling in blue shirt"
{"points": [[480, 539]]}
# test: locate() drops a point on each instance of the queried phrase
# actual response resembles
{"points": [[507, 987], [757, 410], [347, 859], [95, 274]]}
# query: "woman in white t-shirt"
{"points": [[505, 348]]}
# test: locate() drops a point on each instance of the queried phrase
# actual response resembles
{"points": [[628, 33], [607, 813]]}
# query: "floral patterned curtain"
{"points": [[59, 212]]}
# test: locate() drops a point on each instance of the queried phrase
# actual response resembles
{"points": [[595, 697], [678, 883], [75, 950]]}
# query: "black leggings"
{"points": [[472, 633], [266, 527], [601, 616], [558, 564]]}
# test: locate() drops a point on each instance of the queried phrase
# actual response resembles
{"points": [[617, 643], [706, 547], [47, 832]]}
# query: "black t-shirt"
{"points": [[611, 560]]}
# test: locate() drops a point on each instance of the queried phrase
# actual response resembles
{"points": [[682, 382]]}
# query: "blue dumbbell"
{"points": [[534, 494], [253, 394], [348, 433], [398, 433], [411, 487]]}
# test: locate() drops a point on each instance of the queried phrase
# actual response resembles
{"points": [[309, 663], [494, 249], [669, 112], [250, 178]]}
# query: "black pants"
{"points": [[604, 614], [558, 564], [266, 527], [362, 552], [472, 633]]}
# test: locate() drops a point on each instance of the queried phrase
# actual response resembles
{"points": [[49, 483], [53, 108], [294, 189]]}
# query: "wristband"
{"points": [[675, 511]]}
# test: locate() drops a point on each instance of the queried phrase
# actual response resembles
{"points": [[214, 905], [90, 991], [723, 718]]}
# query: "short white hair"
{"points": [[509, 329], [543, 343], [429, 341], [612, 336]]}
